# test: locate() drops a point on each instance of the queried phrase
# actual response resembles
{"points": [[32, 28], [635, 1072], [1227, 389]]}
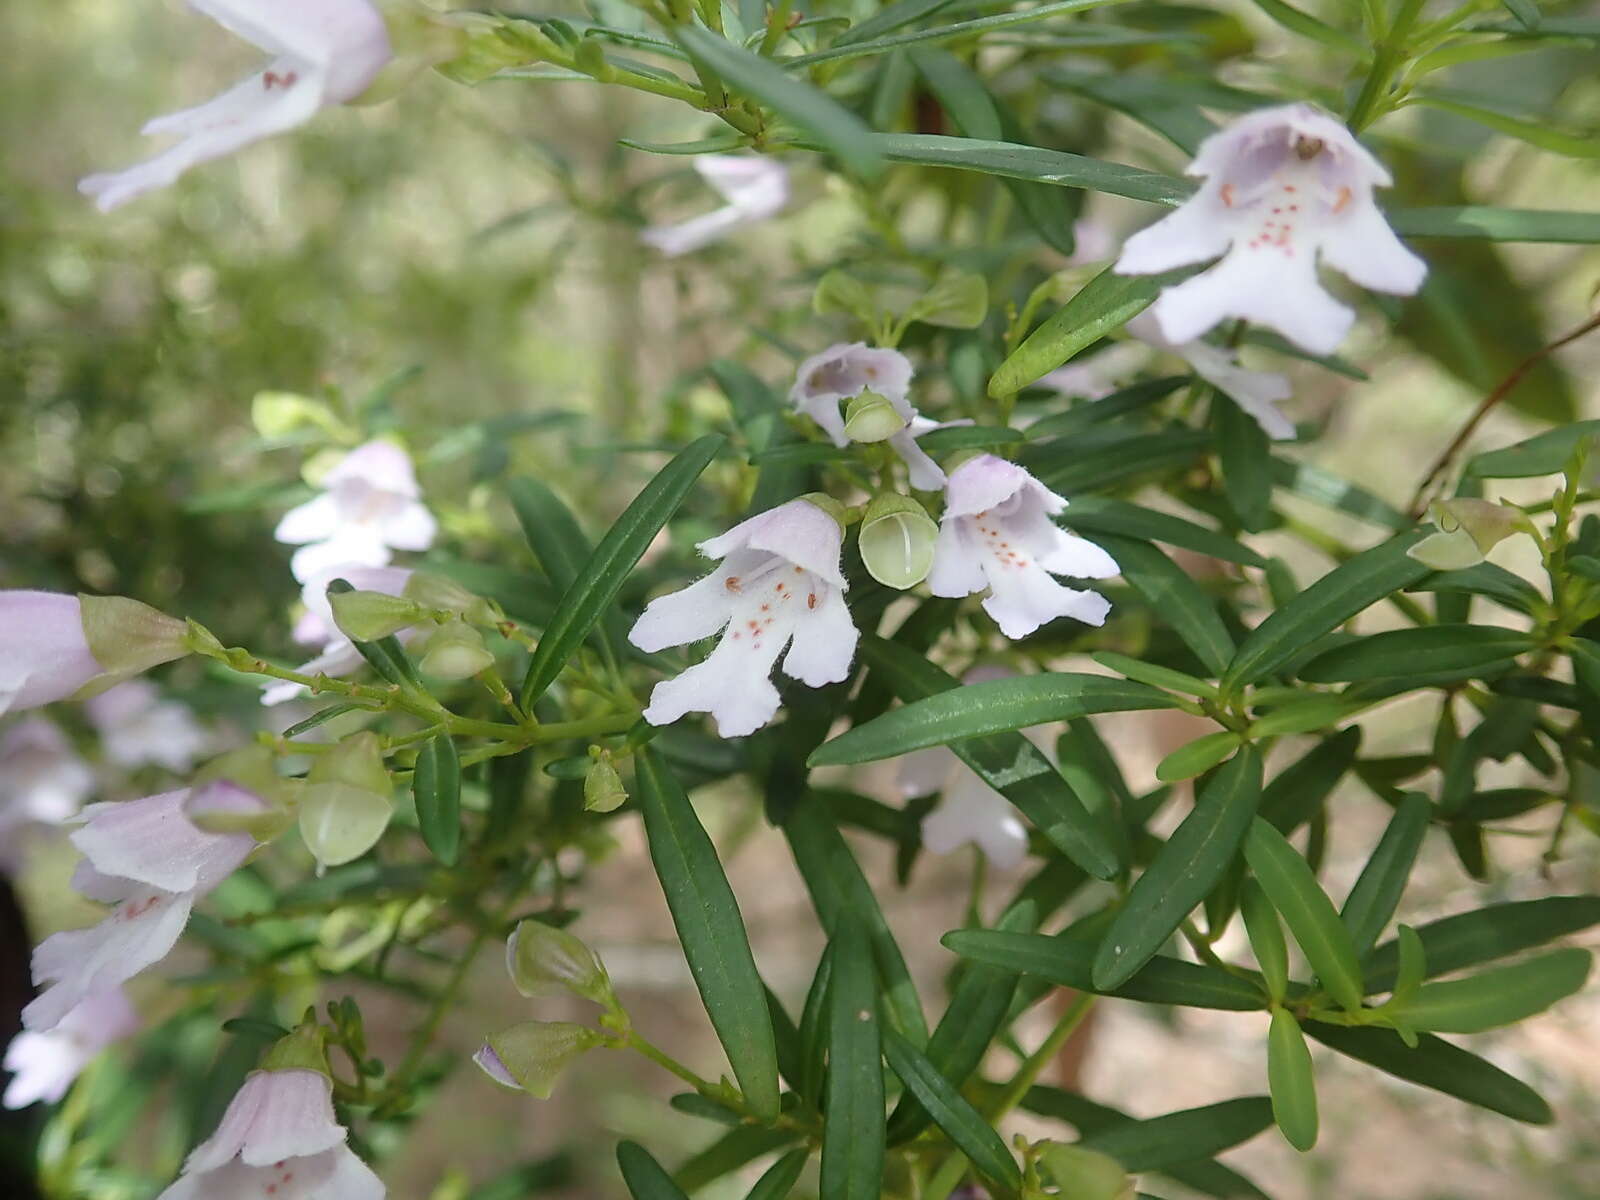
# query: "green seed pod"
{"points": [[347, 802], [602, 786], [368, 616], [546, 961], [453, 650], [532, 1055], [871, 418], [897, 541]]}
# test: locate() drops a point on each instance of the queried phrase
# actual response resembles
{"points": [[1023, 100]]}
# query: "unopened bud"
{"points": [[436, 592], [827, 504], [897, 541], [453, 650], [532, 1055], [127, 637], [277, 414], [302, 1050], [1468, 529], [1085, 1174], [870, 417], [347, 802], [368, 616], [602, 786], [546, 961]]}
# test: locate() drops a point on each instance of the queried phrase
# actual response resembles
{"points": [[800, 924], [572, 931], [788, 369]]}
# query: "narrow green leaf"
{"points": [[1535, 133], [1329, 490], [1121, 403], [976, 1012], [385, 655], [1292, 1080], [1422, 651], [597, 583], [644, 1176], [1297, 21], [1498, 224], [562, 549], [1298, 792], [1105, 304], [1170, 592], [1099, 514], [1499, 996], [320, 717], [837, 887], [1183, 871], [1584, 655], [842, 49], [1307, 714], [1266, 938], [1154, 675], [733, 1150], [1198, 757], [803, 106], [1068, 961], [1306, 909], [1488, 933], [780, 1177], [436, 788], [1339, 595], [1377, 890], [712, 932], [1545, 453], [966, 1128], [1413, 967], [1243, 451], [1437, 1064], [814, 1030], [886, 20], [1484, 579], [1525, 11], [1111, 455], [977, 710], [853, 1114]]}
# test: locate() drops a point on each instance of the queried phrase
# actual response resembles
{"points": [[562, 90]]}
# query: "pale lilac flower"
{"points": [[136, 726], [44, 652], [756, 189], [324, 52], [339, 656], [832, 377], [969, 810], [1256, 392], [43, 1065], [279, 1138], [1284, 187], [42, 781], [779, 582], [151, 863], [996, 534], [369, 506]]}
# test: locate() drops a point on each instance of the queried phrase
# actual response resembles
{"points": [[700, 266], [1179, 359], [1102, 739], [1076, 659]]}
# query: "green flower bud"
{"points": [[253, 768], [1085, 1174], [302, 1050], [347, 802], [546, 961], [453, 650], [368, 616], [871, 418], [278, 414], [897, 541], [436, 592], [532, 1055], [127, 637], [1468, 529], [419, 38], [602, 786]]}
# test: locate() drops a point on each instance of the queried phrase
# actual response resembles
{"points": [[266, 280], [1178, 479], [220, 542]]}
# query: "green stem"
{"points": [[1373, 100]]}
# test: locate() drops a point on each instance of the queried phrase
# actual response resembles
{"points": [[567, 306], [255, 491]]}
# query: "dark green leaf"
{"points": [[1183, 871], [1438, 1065], [1098, 514], [837, 886], [1486, 934], [1498, 224], [1377, 890], [1484, 579], [853, 1114], [1423, 651], [597, 583], [1243, 452], [1306, 909], [1299, 790], [1171, 593], [1199, 756], [1068, 961], [385, 655], [1266, 938], [715, 944], [436, 788], [966, 1128], [803, 106], [780, 1177], [1499, 996], [729, 1153], [1329, 490], [1339, 595], [644, 1176]]}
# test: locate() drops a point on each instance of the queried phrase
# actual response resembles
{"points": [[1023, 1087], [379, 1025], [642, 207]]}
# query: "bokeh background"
{"points": [[462, 266]]}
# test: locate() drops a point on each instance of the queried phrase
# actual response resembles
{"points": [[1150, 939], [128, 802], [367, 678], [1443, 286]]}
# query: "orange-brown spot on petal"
{"points": [[1343, 200], [732, 583], [811, 600], [1227, 194]]}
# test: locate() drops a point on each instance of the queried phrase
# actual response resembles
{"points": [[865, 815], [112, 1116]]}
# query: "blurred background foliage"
{"points": [[462, 266]]}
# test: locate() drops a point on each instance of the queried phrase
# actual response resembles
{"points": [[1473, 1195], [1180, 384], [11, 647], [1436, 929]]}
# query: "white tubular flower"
{"points": [[44, 651], [148, 860], [779, 582], [997, 534], [339, 656], [137, 727], [842, 372], [1257, 392], [279, 1138], [41, 780], [325, 52], [1283, 186], [756, 190], [369, 506], [43, 1065]]}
